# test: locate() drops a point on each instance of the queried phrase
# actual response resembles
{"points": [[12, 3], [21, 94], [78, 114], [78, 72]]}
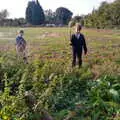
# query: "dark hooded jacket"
{"points": [[79, 43]]}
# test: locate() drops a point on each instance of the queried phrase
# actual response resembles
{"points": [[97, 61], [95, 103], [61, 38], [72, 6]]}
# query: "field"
{"points": [[89, 93]]}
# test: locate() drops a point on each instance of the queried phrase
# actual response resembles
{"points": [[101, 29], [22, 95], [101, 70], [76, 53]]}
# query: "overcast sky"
{"points": [[17, 8]]}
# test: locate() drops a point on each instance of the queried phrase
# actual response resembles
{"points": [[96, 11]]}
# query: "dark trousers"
{"points": [[77, 54]]}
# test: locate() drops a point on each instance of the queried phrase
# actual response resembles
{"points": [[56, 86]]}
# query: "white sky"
{"points": [[17, 8]]}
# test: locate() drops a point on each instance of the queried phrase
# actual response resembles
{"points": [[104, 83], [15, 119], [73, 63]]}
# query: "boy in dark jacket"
{"points": [[78, 44]]}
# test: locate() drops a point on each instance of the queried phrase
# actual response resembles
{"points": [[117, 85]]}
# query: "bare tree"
{"points": [[4, 14]]}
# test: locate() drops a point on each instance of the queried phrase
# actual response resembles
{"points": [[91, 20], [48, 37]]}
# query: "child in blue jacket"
{"points": [[21, 46]]}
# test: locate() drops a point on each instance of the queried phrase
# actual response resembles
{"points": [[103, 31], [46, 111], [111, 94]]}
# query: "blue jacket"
{"points": [[20, 40]]}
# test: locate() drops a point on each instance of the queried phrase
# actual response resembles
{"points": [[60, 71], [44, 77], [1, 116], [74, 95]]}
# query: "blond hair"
{"points": [[78, 26]]}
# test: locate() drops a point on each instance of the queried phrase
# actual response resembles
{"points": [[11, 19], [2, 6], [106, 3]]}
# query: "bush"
{"points": [[33, 91]]}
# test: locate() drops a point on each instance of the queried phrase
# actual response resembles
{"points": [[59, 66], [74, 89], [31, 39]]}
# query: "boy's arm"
{"points": [[84, 45], [71, 40], [24, 41], [16, 41]]}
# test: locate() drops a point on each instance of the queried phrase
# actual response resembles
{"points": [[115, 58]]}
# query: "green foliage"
{"points": [[49, 86], [63, 16], [104, 98], [64, 94], [106, 16], [77, 19], [50, 17], [34, 13]]}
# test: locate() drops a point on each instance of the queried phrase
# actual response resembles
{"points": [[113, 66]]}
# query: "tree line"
{"points": [[4, 21], [106, 16], [35, 15]]}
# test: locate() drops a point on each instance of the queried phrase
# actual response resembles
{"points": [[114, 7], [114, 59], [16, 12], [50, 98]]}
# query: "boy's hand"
{"points": [[85, 52], [70, 44]]}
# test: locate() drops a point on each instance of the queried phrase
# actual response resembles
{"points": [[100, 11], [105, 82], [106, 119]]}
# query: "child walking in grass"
{"points": [[78, 45], [21, 46]]}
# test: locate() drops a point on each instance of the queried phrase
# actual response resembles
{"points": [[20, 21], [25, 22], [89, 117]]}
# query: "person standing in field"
{"points": [[21, 46], [78, 44]]}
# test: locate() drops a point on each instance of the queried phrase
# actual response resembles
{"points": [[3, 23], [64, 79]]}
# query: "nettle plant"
{"points": [[63, 92], [104, 97]]}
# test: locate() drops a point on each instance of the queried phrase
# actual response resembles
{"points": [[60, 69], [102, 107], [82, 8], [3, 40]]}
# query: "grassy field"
{"points": [[52, 44], [66, 93]]}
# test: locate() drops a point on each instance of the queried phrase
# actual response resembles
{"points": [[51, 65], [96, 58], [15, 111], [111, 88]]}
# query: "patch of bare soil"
{"points": [[47, 34], [55, 35]]}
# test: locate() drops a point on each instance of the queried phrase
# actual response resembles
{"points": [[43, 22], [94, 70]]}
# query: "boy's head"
{"points": [[78, 28], [21, 32]]}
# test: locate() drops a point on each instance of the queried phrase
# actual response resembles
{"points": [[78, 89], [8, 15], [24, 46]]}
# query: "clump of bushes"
{"points": [[41, 89]]}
